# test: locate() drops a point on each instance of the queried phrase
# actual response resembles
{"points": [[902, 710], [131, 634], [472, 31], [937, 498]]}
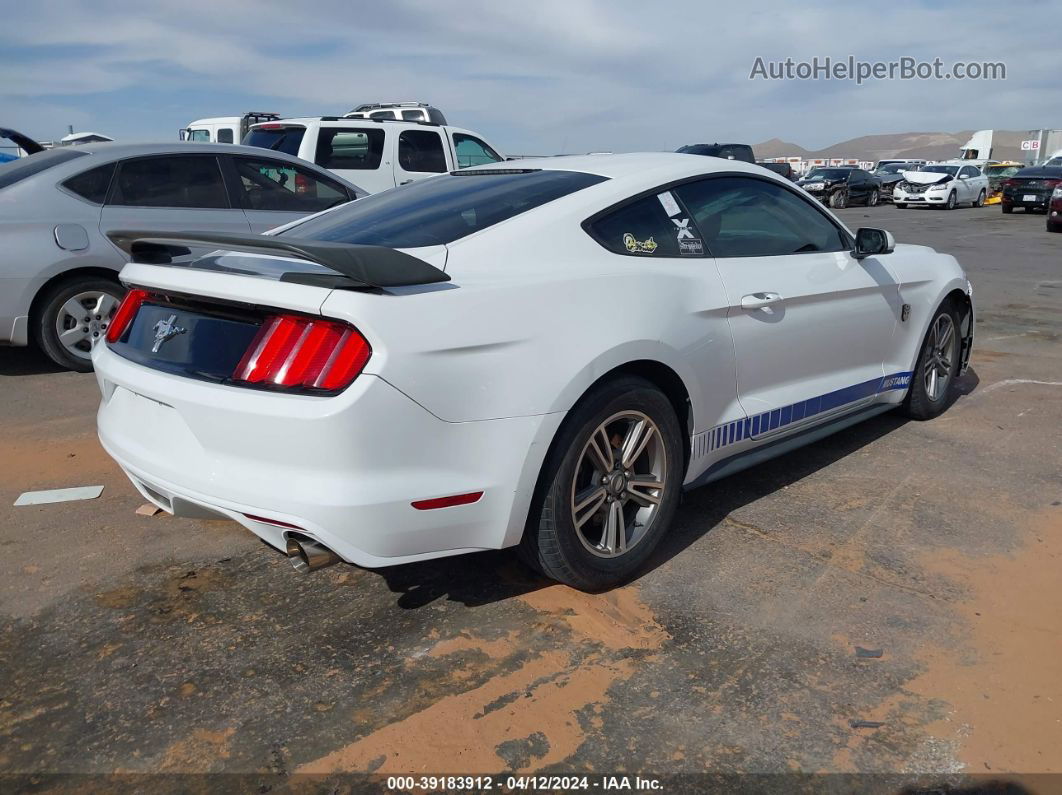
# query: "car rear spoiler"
{"points": [[355, 265]]}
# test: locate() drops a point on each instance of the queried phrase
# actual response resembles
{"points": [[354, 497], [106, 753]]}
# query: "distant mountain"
{"points": [[1006, 145], [776, 147]]}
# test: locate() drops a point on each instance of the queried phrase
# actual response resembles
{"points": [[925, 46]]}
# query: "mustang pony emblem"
{"points": [[166, 330]]}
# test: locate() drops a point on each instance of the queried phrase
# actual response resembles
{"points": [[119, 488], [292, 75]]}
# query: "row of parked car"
{"points": [[62, 206], [908, 183], [65, 205]]}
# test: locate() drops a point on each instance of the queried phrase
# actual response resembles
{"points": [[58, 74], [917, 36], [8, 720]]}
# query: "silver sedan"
{"points": [[59, 271]]}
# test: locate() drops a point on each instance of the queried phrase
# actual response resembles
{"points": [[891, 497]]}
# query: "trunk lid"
{"points": [[201, 319]]}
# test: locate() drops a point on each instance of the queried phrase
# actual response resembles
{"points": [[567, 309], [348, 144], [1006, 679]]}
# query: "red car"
{"points": [[1054, 211]]}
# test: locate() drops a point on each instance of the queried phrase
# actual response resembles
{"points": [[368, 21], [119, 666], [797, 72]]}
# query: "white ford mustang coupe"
{"points": [[541, 355]]}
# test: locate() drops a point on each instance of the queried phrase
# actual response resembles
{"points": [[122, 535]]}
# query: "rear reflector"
{"points": [[125, 314], [300, 352], [276, 522], [447, 502]]}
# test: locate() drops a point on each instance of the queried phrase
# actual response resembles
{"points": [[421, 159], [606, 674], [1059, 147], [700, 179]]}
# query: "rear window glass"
{"points": [[92, 184], [357, 149], [279, 139], [441, 209], [18, 170]]}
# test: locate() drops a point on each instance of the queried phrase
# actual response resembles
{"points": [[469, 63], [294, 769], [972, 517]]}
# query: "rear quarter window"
{"points": [[24, 167], [92, 185], [641, 228]]}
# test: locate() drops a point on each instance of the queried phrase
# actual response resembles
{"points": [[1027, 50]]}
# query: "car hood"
{"points": [[925, 177]]}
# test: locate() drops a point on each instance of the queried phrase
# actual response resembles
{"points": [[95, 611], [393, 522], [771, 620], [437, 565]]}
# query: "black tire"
{"points": [[839, 199], [1007, 208], [981, 198], [950, 203], [1056, 227], [873, 199], [51, 305], [551, 542], [919, 404], [899, 205]]}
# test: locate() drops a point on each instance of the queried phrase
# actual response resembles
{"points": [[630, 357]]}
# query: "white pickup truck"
{"points": [[223, 129], [375, 154]]}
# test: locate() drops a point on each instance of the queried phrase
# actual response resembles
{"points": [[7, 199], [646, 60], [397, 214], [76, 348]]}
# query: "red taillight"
{"points": [[292, 351], [303, 184], [125, 314], [269, 126]]}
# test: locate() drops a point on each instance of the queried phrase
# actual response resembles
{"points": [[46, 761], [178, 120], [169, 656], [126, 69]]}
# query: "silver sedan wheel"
{"points": [[83, 319], [938, 358], [618, 484]]}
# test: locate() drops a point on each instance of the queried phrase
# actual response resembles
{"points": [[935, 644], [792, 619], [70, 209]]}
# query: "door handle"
{"points": [[759, 300], [406, 182]]}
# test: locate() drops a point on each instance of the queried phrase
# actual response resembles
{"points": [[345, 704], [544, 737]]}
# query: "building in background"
{"points": [[1041, 145]]}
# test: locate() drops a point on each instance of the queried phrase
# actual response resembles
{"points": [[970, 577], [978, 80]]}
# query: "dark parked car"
{"points": [[1031, 188], [725, 151], [839, 186], [781, 169], [891, 173]]}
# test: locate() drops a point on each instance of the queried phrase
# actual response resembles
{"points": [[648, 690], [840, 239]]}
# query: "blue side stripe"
{"points": [[735, 431]]}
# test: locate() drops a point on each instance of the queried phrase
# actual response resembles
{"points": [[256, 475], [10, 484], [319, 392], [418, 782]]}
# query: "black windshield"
{"points": [[442, 209]]}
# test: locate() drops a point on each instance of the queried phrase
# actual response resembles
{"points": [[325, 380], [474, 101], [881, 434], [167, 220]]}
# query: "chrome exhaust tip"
{"points": [[306, 555]]}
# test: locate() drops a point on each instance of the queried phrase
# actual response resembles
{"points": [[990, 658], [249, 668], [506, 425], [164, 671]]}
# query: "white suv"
{"points": [[403, 111], [375, 154]]}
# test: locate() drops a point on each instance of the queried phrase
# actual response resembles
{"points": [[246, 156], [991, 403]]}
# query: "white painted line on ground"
{"points": [[59, 495]]}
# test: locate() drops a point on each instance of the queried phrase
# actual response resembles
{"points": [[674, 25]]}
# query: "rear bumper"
{"points": [[342, 470]]}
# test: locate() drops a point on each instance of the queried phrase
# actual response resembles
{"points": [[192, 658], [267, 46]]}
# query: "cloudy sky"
{"points": [[550, 76]]}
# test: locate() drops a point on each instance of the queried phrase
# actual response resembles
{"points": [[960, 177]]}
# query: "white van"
{"points": [[375, 154], [223, 129]]}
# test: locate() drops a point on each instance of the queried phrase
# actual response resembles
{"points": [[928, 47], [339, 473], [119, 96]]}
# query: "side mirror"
{"points": [[964, 176], [869, 242]]}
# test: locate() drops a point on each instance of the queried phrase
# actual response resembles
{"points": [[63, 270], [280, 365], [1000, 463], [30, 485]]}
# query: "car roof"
{"points": [[117, 151], [659, 167], [383, 124], [1053, 172], [106, 152]]}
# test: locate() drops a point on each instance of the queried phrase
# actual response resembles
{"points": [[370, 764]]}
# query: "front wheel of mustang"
{"points": [[937, 368], [609, 488]]}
